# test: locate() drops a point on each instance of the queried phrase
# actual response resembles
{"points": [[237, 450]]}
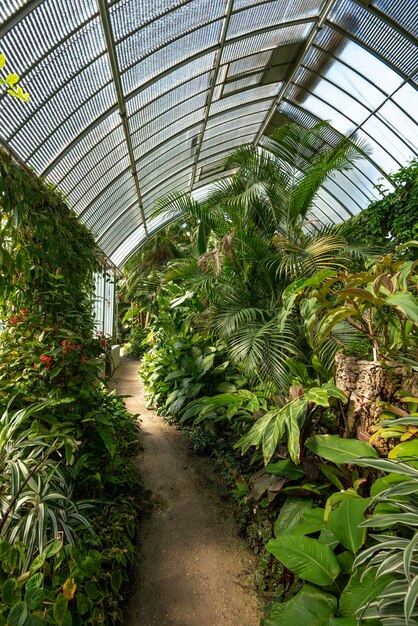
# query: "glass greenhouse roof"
{"points": [[132, 99]]}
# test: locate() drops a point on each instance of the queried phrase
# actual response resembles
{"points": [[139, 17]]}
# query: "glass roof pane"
{"points": [[248, 129], [93, 87], [270, 14], [126, 223], [324, 111], [382, 134], [360, 59], [264, 41], [256, 118], [83, 184], [144, 113], [69, 60], [128, 15], [245, 97], [43, 28], [142, 131], [330, 212], [181, 183], [407, 99], [6, 10], [163, 175], [103, 220], [402, 125], [97, 160], [121, 186], [127, 246], [404, 13], [85, 146], [160, 32], [100, 220], [244, 111], [71, 129], [99, 185], [382, 38], [229, 146], [253, 62], [242, 83], [330, 93], [160, 137], [334, 205], [159, 158], [170, 55], [379, 155], [343, 77]]}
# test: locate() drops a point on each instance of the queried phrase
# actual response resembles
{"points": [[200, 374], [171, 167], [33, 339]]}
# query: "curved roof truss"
{"points": [[132, 99]]}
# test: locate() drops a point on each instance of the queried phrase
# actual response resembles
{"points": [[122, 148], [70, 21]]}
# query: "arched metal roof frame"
{"points": [[113, 186]]}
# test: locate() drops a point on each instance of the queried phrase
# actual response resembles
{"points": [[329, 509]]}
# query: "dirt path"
{"points": [[193, 569]]}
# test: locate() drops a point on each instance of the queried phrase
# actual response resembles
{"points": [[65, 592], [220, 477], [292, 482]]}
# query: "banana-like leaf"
{"points": [[309, 606], [338, 450], [361, 589], [344, 522], [406, 303], [291, 515], [307, 558]]}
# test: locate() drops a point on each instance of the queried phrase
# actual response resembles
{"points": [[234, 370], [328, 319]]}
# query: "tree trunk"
{"points": [[367, 385]]}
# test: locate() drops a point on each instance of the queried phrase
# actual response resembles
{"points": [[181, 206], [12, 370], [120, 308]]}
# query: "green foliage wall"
{"points": [[47, 256], [67, 484], [395, 215]]}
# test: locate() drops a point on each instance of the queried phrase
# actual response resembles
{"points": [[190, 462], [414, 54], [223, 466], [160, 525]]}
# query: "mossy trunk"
{"points": [[367, 385]]}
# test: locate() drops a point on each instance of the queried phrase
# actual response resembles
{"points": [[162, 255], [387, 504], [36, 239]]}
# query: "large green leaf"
{"points": [[291, 515], [344, 522], [310, 607], [318, 395], [331, 319], [286, 468], [338, 450], [389, 465], [362, 588], [406, 303], [313, 521], [307, 558], [295, 415]]}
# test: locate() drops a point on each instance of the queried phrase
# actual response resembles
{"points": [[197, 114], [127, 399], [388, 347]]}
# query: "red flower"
{"points": [[78, 346], [64, 342], [47, 359], [24, 311], [103, 342], [35, 366], [13, 320]]}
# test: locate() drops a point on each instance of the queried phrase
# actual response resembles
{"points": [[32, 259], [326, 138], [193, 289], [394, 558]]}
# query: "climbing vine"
{"points": [[67, 512]]}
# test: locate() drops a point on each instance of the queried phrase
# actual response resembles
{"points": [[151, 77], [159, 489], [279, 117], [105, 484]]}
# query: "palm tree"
{"points": [[255, 237]]}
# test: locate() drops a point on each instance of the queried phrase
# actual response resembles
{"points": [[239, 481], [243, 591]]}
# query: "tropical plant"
{"points": [[394, 216], [393, 557], [290, 421], [379, 304], [67, 511], [255, 236]]}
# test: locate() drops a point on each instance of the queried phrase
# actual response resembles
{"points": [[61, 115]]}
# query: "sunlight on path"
{"points": [[193, 569]]}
